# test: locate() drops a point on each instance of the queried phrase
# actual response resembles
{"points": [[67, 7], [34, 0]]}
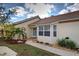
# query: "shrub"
{"points": [[70, 44], [66, 42], [61, 42]]}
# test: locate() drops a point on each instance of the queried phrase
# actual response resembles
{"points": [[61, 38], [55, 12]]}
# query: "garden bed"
{"points": [[18, 41], [62, 48]]}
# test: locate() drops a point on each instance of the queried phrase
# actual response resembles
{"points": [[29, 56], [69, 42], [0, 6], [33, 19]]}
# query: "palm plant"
{"points": [[9, 30], [20, 33]]}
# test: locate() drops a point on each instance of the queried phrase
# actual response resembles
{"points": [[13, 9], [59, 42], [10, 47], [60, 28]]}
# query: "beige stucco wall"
{"points": [[70, 29], [28, 29]]}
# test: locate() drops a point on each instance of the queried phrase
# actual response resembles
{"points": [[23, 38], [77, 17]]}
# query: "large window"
{"points": [[44, 30], [47, 30], [54, 30], [40, 30]]}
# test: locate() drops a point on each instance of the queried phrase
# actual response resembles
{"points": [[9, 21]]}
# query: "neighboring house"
{"points": [[50, 29]]}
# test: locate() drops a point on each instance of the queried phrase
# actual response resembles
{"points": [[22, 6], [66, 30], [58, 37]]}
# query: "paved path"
{"points": [[5, 51], [53, 50]]}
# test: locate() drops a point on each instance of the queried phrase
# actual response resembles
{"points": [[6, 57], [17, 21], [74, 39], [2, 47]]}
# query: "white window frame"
{"points": [[41, 30], [44, 30], [47, 30]]}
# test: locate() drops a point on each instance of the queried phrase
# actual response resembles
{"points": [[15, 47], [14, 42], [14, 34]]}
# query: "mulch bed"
{"points": [[18, 41], [62, 48]]}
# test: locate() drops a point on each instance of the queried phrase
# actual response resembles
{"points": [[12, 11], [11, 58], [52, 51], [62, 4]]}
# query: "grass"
{"points": [[27, 50]]}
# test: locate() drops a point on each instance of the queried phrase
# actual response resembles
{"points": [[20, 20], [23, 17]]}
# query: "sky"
{"points": [[43, 10]]}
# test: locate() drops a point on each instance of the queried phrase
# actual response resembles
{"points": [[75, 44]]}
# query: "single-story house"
{"points": [[49, 30]]}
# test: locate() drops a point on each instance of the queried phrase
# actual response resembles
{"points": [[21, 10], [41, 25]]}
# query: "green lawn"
{"points": [[27, 50]]}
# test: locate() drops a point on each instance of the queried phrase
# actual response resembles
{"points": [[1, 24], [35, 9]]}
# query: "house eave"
{"points": [[69, 20]]}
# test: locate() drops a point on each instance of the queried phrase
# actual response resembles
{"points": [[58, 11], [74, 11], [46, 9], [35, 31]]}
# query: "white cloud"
{"points": [[13, 18], [63, 11], [20, 11], [70, 8], [74, 7], [31, 15], [40, 9]]}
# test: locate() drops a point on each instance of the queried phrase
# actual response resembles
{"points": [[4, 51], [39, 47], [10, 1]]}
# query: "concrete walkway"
{"points": [[5, 51], [53, 50]]}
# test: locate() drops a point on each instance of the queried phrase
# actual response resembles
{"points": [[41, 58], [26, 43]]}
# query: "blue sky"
{"points": [[27, 10]]}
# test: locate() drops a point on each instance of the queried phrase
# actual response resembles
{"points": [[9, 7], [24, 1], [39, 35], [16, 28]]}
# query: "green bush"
{"points": [[70, 44], [61, 42], [67, 43]]}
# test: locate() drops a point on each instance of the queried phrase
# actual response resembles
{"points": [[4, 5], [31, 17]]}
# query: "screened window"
{"points": [[47, 30], [54, 30], [44, 30], [47, 27], [41, 31], [46, 33], [40, 28]]}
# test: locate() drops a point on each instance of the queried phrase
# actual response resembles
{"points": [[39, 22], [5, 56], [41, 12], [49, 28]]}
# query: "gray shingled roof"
{"points": [[26, 20], [64, 17]]}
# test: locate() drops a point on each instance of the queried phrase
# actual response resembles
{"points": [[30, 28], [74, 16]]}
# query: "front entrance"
{"points": [[34, 32]]}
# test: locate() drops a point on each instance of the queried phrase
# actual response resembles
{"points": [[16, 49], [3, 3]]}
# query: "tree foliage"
{"points": [[8, 30]]}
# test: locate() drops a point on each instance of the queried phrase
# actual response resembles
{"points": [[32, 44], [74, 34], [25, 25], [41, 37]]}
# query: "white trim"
{"points": [[69, 19], [56, 22]]}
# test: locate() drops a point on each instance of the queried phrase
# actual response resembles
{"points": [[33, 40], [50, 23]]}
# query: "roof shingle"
{"points": [[66, 16], [29, 19]]}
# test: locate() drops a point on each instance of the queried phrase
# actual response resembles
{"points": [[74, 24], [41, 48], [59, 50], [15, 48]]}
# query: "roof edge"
{"points": [[26, 20]]}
